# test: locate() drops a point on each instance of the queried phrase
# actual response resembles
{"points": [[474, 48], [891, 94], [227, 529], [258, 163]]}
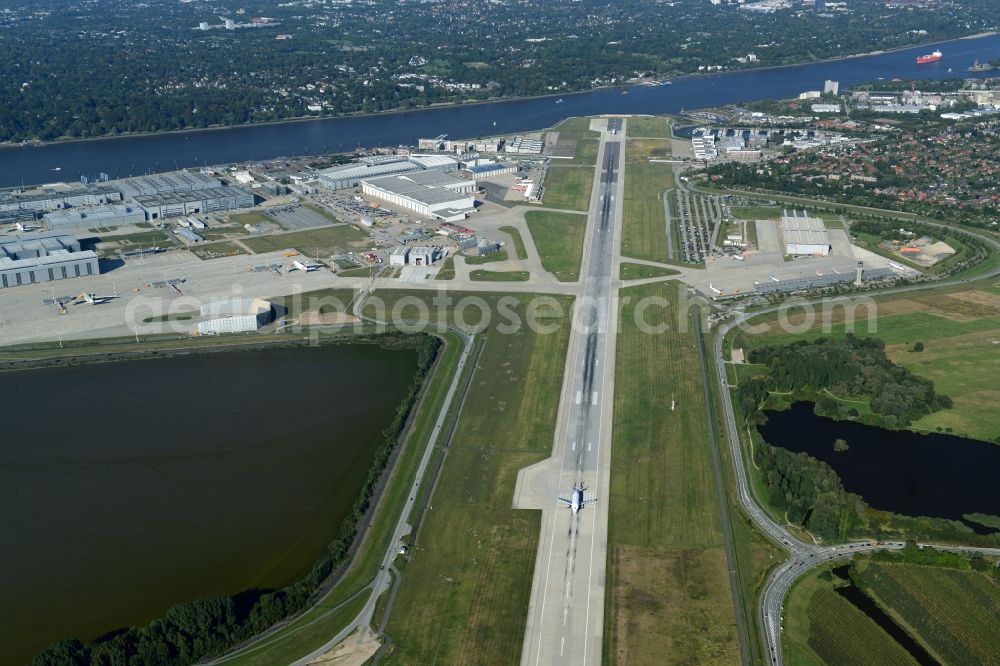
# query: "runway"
{"points": [[566, 612]]}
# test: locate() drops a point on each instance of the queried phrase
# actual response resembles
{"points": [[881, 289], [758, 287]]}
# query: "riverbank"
{"points": [[493, 100]]}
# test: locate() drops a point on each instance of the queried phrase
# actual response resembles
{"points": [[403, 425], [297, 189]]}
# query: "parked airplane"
{"points": [[94, 299], [835, 271], [897, 267], [773, 279], [713, 289], [576, 502], [307, 267]]}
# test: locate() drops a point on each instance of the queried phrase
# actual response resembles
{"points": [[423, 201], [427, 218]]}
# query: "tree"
{"points": [[840, 445], [919, 347]]}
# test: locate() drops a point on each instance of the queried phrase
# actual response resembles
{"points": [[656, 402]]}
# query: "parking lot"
{"points": [[697, 218], [298, 217]]}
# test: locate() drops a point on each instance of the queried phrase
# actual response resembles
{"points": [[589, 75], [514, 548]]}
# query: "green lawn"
{"points": [[216, 250], [568, 187], [252, 217], [323, 241], [481, 275], [487, 259], [654, 128], [464, 594], [559, 239], [576, 128], [644, 234], [586, 153], [447, 271], [522, 252], [756, 212], [630, 271], [669, 599], [640, 151]]}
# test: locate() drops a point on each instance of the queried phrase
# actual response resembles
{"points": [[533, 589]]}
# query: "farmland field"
{"points": [[643, 221], [668, 598], [952, 611], [568, 187], [464, 594], [559, 241], [323, 241]]}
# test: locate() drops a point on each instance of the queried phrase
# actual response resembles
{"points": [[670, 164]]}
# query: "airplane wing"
{"points": [[565, 501]]}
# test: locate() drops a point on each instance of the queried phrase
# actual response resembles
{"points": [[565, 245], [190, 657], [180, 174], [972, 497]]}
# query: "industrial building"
{"points": [[43, 257], [98, 216], [165, 183], [399, 256], [520, 145], [428, 193], [46, 199], [488, 168], [237, 315], [173, 204], [350, 175], [804, 235]]}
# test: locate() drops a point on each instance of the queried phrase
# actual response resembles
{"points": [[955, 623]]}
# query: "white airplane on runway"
{"points": [[306, 267], [576, 502], [713, 289], [773, 279], [94, 299]]}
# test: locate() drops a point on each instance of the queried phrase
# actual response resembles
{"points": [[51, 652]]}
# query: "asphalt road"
{"points": [[566, 612]]}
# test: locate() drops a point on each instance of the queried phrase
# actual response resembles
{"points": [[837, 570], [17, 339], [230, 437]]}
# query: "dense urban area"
{"points": [[72, 73]]}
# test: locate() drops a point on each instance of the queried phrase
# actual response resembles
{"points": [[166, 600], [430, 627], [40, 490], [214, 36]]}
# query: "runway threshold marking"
{"points": [[593, 399], [579, 396]]}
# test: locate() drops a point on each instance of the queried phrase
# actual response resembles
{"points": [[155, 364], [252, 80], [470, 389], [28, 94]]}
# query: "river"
{"points": [[163, 152], [128, 487], [935, 475]]}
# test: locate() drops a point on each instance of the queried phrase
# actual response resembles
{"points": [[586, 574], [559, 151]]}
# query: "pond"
{"points": [[128, 487], [934, 475]]}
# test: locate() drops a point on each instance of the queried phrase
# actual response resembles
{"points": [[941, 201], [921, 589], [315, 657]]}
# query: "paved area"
{"points": [[566, 610]]}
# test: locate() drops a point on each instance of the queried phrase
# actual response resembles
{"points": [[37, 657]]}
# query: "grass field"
{"points": [[654, 128], [522, 252], [576, 128], [323, 241], [559, 239], [644, 234], [464, 594], [669, 600], [487, 259], [586, 153], [640, 151], [952, 612], [252, 217], [216, 250], [960, 330], [568, 187], [630, 271], [756, 212], [447, 271], [481, 275]]}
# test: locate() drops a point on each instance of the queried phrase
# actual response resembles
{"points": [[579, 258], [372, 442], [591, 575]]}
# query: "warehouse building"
{"points": [[350, 175], [237, 315], [174, 204], [488, 169], [435, 162], [521, 145], [75, 219], [425, 192], [43, 257], [46, 199], [804, 235], [165, 183]]}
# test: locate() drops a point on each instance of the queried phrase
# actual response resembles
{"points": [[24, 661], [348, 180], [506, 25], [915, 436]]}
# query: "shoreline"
{"points": [[456, 104]]}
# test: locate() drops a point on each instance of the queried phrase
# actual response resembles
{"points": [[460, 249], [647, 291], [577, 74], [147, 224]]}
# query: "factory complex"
{"points": [[429, 193], [43, 257]]}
